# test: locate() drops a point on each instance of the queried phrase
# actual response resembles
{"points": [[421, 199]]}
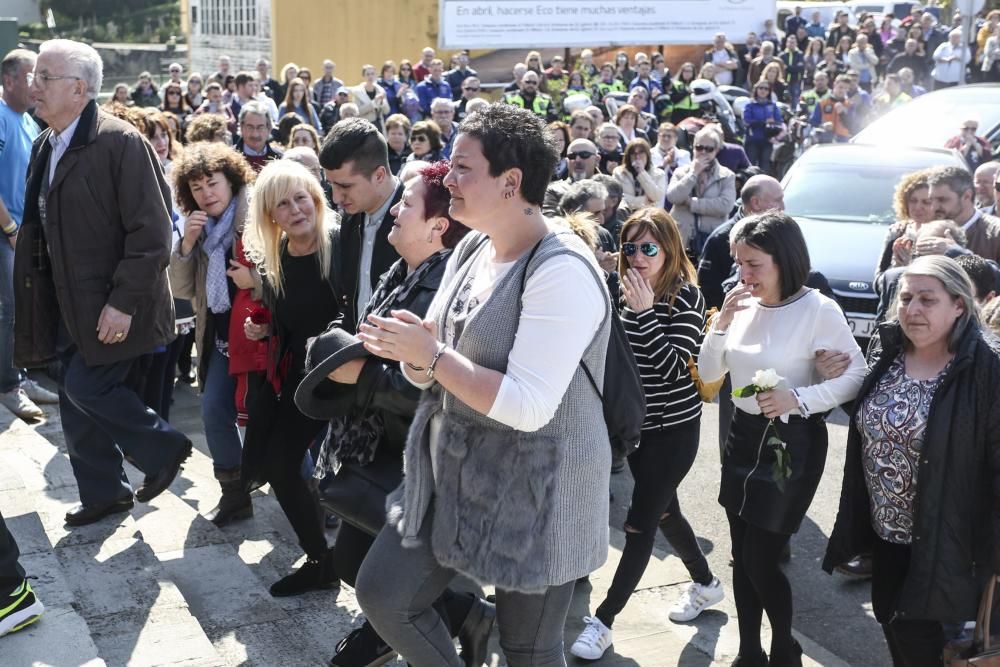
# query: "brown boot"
{"points": [[234, 503]]}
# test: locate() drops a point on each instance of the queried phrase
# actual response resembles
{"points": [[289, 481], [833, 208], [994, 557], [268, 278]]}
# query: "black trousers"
{"points": [[913, 642], [11, 572], [659, 465], [289, 437]]}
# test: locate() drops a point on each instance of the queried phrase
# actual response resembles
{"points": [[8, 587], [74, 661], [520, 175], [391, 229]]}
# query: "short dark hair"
{"points": [[957, 179], [203, 159], [358, 141], [779, 236], [983, 278], [515, 137], [243, 78]]}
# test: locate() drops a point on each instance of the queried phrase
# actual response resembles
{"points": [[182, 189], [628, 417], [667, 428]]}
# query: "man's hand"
{"points": [[113, 325]]}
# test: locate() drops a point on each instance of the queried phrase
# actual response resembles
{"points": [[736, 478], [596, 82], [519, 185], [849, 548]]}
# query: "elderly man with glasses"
{"points": [[975, 149], [90, 270], [443, 113]]}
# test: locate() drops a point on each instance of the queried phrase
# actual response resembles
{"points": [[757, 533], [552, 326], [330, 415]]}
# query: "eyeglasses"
{"points": [[472, 90], [703, 148], [583, 155], [418, 137], [43, 79], [531, 83], [970, 129], [647, 249]]}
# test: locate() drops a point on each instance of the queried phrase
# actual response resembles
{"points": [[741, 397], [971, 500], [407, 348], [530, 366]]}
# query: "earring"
{"points": [[508, 194]]}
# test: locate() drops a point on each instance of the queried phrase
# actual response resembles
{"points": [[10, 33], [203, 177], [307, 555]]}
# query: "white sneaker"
{"points": [[696, 599], [38, 393], [18, 402], [593, 641]]}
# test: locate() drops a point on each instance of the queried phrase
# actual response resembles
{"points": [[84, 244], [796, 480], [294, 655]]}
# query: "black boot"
{"points": [[759, 660], [314, 575], [474, 635], [235, 502]]}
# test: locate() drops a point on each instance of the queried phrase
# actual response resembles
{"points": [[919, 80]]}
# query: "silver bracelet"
{"points": [[437, 355]]}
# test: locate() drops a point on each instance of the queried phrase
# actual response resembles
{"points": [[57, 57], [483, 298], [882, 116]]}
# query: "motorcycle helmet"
{"points": [[702, 90]]}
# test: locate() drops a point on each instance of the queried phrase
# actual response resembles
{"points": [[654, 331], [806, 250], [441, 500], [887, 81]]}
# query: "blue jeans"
{"points": [[759, 153], [397, 588], [218, 413], [10, 377]]}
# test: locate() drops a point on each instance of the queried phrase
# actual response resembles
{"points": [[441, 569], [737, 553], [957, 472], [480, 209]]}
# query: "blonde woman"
{"points": [[290, 239]]}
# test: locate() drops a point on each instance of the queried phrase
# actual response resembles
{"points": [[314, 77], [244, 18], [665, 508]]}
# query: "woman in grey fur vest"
{"points": [[507, 460]]}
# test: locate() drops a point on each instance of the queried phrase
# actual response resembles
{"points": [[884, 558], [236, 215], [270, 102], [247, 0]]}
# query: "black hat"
{"points": [[318, 396]]}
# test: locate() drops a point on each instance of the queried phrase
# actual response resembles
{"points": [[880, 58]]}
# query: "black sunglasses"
{"points": [[418, 137], [647, 249], [583, 155], [704, 148]]}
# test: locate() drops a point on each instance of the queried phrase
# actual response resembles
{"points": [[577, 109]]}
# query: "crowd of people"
{"points": [[372, 276]]}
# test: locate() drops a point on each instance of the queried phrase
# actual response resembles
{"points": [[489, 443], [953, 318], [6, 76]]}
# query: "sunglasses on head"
{"points": [[648, 249], [583, 155], [704, 148]]}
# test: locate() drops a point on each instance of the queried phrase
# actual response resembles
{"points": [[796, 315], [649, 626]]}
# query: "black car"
{"points": [[841, 196]]}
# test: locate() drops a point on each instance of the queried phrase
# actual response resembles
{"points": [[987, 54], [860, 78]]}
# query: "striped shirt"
{"points": [[663, 338]]}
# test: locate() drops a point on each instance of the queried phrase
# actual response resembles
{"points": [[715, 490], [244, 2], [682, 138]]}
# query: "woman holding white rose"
{"points": [[773, 322]]}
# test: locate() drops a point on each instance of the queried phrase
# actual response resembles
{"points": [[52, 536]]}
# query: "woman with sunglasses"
{"points": [[702, 193], [173, 103], [425, 142], [663, 318], [762, 119]]}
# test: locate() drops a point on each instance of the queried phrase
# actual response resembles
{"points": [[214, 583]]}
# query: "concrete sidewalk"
{"points": [[163, 586]]}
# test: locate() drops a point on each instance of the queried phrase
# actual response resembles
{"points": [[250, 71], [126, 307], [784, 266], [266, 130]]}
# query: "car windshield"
{"points": [[818, 192], [908, 125]]}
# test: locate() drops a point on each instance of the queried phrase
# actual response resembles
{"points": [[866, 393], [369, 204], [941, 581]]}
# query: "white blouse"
{"points": [[785, 338], [562, 308]]}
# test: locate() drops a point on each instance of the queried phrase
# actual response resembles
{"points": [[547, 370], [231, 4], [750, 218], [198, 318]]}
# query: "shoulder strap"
{"points": [[524, 279]]}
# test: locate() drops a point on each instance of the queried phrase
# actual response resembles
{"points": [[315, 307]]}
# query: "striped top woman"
{"points": [[663, 318]]}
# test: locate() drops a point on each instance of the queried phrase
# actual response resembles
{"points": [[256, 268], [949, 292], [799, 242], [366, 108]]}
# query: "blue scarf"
{"points": [[218, 242]]}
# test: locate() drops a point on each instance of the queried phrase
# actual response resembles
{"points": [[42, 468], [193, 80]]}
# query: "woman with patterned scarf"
{"points": [[374, 435], [212, 187]]}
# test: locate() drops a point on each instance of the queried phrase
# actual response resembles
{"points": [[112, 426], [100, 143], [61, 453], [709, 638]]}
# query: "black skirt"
{"points": [[748, 487]]}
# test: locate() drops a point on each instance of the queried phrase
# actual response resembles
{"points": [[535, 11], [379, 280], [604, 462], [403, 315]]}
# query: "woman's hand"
{"points": [[402, 337], [240, 275], [192, 231], [638, 291], [255, 331], [732, 304], [831, 364], [902, 251], [639, 162], [348, 373], [776, 402]]}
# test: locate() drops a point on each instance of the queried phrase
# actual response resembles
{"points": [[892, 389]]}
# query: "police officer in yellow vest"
{"points": [[529, 98]]}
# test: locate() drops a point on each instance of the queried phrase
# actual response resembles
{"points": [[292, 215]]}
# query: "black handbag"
{"points": [[357, 492]]}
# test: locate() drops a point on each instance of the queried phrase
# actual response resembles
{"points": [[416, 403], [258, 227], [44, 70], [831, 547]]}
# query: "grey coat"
{"points": [[518, 510]]}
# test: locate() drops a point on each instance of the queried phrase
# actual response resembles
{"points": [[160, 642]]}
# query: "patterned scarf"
{"points": [[218, 242], [355, 437]]}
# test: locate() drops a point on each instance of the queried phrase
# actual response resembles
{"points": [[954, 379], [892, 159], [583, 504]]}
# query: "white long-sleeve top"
{"points": [[785, 338], [562, 308]]}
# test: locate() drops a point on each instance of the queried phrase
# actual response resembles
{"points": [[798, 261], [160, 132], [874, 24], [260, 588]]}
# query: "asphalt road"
{"points": [[833, 611]]}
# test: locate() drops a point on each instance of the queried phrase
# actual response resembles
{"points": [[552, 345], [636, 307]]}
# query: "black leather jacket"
{"points": [[381, 385], [957, 505]]}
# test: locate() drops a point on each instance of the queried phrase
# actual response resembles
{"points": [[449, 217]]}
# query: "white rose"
{"points": [[766, 379]]}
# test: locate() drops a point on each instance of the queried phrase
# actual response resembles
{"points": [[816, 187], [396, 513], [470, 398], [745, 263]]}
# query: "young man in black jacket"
{"points": [[355, 157]]}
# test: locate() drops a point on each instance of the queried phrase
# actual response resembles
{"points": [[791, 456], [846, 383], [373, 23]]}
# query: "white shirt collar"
{"points": [[62, 139]]}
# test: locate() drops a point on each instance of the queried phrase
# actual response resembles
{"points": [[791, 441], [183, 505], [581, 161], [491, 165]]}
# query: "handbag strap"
{"points": [[524, 280]]}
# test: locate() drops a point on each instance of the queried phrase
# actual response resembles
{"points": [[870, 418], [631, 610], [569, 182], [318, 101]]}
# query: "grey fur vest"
{"points": [[517, 510]]}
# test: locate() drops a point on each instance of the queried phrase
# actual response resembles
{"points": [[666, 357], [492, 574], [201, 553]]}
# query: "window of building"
{"points": [[228, 17]]}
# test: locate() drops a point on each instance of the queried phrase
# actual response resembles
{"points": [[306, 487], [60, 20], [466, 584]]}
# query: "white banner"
{"points": [[532, 24]]}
